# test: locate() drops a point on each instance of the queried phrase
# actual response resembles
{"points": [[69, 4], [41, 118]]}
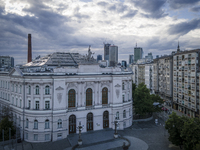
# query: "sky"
{"points": [[73, 25]]}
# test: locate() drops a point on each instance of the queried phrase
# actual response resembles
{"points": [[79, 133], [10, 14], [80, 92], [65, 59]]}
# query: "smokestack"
{"points": [[29, 49]]}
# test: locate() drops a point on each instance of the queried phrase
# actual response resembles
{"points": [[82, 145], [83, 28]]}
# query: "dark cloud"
{"points": [[195, 9], [184, 27], [104, 4], [130, 14], [177, 4], [152, 7]]}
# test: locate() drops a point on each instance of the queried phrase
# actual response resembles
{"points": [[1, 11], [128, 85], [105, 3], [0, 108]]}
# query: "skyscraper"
{"points": [[113, 55], [99, 57], [131, 59], [106, 51], [138, 53]]}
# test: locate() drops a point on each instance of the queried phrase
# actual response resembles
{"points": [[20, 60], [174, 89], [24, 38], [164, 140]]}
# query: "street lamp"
{"points": [[80, 128], [116, 124]]}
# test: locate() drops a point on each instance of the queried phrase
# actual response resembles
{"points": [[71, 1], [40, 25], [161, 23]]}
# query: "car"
{"points": [[164, 109]]}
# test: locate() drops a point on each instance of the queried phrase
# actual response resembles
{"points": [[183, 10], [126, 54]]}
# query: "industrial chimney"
{"points": [[29, 49]]}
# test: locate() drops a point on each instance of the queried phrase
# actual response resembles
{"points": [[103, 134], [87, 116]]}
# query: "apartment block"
{"points": [[186, 82]]}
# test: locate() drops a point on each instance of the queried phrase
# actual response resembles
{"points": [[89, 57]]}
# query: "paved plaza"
{"points": [[142, 136]]}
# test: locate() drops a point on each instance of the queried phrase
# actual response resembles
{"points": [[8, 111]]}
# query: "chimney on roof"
{"points": [[29, 59]]}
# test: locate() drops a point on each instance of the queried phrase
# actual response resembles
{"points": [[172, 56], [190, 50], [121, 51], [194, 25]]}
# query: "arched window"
{"points": [[89, 121], [71, 98], [47, 90], [37, 92], [124, 114], [29, 89], [123, 87], [117, 115], [35, 124], [72, 124], [105, 96], [47, 124], [27, 123], [89, 97], [59, 123]]}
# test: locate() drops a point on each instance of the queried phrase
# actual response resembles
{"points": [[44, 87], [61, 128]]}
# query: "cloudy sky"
{"points": [[73, 25]]}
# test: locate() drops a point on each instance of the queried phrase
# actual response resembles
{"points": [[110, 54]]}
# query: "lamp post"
{"points": [[80, 128], [116, 124]]}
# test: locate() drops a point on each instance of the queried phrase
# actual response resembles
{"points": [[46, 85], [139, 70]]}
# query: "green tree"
{"points": [[191, 133], [175, 125], [6, 124], [142, 102], [133, 89]]}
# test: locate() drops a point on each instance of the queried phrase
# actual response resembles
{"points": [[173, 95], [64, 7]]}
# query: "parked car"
{"points": [[164, 109]]}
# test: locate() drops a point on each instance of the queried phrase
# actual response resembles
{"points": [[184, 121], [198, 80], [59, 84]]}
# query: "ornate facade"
{"points": [[48, 105]]}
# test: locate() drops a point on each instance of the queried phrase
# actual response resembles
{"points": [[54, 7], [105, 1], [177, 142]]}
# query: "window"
{"points": [[89, 97], [35, 124], [12, 87], [19, 123], [16, 90], [123, 86], [117, 116], [129, 112], [47, 90], [29, 89], [47, 137], [26, 136], [123, 98], [27, 123], [35, 137], [16, 101], [124, 124], [47, 105], [59, 123], [13, 100], [8, 97], [105, 96], [47, 124], [124, 114], [29, 104], [37, 90], [8, 85], [37, 105], [20, 103], [20, 89], [71, 98]]}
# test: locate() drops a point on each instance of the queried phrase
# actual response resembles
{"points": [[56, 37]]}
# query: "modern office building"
{"points": [[186, 82], [99, 57], [49, 96], [124, 64], [106, 51], [113, 55], [138, 53], [131, 59], [6, 63], [149, 57]]}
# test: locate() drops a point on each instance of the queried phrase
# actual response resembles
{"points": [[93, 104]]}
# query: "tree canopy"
{"points": [[183, 131], [6, 124], [143, 101]]}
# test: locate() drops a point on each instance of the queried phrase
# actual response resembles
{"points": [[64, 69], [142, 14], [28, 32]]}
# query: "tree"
{"points": [[142, 102], [191, 133], [175, 125], [133, 89], [6, 124]]}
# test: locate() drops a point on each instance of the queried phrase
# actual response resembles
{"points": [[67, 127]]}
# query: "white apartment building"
{"points": [[149, 80], [186, 82], [51, 95]]}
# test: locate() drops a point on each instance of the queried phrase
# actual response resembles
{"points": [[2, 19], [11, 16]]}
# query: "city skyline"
{"points": [[70, 26]]}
